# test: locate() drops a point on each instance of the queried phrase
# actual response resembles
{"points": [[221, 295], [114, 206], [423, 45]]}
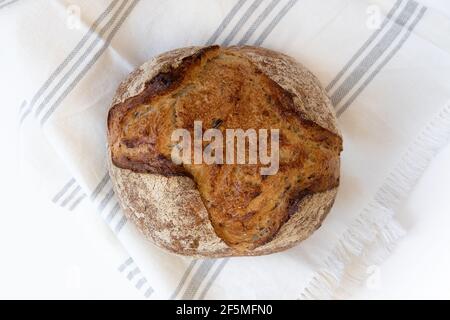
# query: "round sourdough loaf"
{"points": [[220, 210]]}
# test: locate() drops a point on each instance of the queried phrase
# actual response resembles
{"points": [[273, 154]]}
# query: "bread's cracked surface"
{"points": [[224, 89]]}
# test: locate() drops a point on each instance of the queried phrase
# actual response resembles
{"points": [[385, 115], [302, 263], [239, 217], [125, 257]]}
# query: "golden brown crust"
{"points": [[310, 98], [252, 214], [167, 79]]}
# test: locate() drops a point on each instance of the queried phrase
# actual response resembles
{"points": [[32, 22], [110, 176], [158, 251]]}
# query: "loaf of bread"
{"points": [[222, 209]]}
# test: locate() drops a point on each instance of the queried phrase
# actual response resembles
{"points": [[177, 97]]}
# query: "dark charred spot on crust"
{"points": [[216, 123], [163, 81], [295, 200], [136, 142], [255, 193], [161, 164], [194, 244], [247, 216]]}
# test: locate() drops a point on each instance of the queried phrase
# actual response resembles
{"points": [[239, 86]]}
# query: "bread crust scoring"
{"points": [[162, 198]]}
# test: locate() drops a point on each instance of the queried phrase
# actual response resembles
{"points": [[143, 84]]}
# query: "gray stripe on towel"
{"points": [[213, 278], [260, 19], [90, 63], [186, 274], [63, 190], [69, 58], [79, 61], [124, 265], [364, 46], [105, 200], [120, 224], [100, 186], [77, 202], [198, 278], [112, 212], [274, 22], [382, 64], [225, 22], [247, 14], [70, 196], [374, 54]]}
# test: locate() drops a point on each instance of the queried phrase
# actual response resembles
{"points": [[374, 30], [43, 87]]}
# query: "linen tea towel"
{"points": [[384, 64]]}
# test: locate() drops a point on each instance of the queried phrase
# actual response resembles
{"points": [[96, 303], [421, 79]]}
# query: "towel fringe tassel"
{"points": [[375, 232]]}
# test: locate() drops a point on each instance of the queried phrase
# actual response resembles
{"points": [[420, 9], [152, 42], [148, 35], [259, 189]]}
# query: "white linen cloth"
{"points": [[386, 67]]}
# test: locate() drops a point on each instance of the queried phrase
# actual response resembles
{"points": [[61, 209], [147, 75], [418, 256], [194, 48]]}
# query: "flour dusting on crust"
{"points": [[169, 210]]}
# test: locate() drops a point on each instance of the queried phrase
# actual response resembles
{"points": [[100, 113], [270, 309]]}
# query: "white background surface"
{"points": [[48, 252]]}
